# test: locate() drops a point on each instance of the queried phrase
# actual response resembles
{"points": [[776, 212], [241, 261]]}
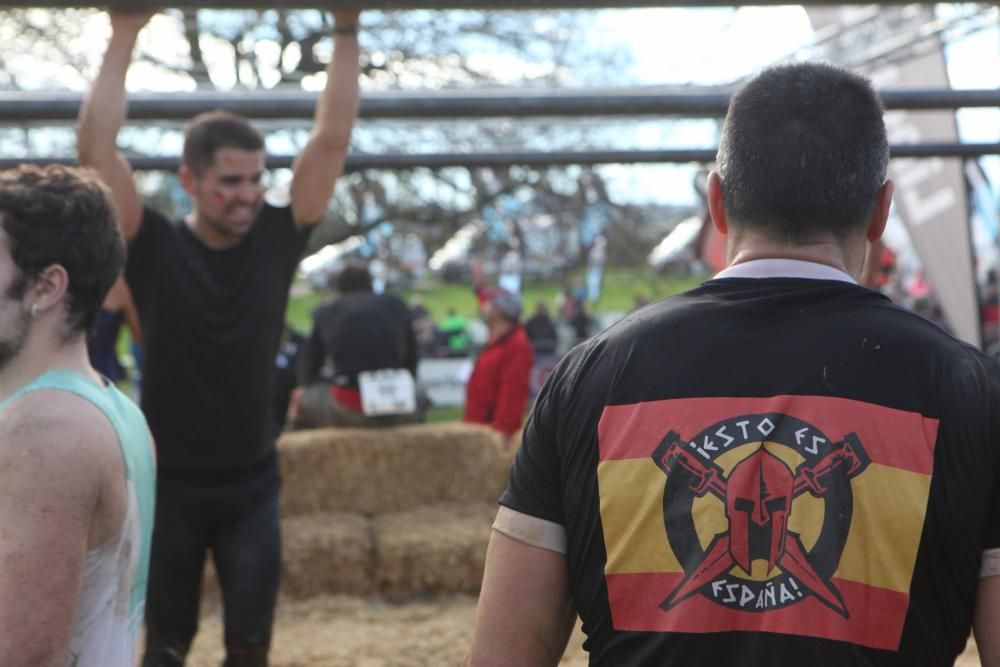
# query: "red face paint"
{"points": [[218, 195]]}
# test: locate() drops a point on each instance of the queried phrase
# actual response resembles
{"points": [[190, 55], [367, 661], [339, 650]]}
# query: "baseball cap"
{"points": [[508, 303]]}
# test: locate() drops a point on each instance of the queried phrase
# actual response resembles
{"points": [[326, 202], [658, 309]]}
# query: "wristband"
{"points": [[345, 30]]}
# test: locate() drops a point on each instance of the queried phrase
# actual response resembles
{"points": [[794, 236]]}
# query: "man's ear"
{"points": [[717, 204], [189, 180], [883, 202], [48, 289]]}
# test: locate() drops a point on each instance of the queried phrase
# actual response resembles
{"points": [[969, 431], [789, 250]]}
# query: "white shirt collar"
{"points": [[784, 268]]}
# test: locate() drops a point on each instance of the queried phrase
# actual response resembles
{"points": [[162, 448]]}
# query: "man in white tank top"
{"points": [[76, 459]]}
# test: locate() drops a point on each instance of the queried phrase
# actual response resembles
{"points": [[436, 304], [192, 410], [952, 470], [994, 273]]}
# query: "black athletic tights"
{"points": [[235, 515]]}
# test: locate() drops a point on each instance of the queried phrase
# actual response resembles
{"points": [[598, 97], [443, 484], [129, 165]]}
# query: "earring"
{"points": [[35, 311]]}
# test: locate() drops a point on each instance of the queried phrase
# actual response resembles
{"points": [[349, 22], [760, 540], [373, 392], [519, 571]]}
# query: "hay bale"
{"points": [[326, 553], [372, 471], [432, 550]]}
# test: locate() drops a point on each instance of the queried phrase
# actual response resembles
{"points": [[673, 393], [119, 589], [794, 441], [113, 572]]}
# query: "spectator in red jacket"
{"points": [[497, 392]]}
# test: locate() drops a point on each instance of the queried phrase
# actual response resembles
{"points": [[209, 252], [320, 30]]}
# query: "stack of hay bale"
{"points": [[400, 512]]}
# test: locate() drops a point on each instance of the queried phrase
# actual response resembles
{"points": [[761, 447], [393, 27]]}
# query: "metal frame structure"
{"points": [[29, 109], [536, 159], [409, 4], [34, 108], [294, 104]]}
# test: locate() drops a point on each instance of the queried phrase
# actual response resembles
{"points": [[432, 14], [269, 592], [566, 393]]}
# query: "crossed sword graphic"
{"points": [[846, 456]]}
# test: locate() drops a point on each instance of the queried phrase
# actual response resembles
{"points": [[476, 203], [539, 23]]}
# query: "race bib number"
{"points": [[387, 392]]}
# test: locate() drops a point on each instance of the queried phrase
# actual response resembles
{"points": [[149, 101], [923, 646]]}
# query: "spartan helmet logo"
{"points": [[758, 495]]}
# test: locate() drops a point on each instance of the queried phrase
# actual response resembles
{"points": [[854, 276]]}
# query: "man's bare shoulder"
{"points": [[53, 440], [54, 460]]}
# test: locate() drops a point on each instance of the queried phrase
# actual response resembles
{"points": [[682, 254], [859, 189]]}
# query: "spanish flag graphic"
{"points": [[789, 514]]}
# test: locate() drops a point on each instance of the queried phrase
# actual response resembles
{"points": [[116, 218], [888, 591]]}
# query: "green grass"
{"points": [[301, 306], [621, 285], [446, 414]]}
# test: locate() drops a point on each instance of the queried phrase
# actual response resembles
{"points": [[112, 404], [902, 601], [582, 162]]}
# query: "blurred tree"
{"points": [[215, 49]]}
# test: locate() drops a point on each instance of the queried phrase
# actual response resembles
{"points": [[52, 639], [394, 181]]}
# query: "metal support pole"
{"points": [[408, 4], [19, 106], [533, 158]]}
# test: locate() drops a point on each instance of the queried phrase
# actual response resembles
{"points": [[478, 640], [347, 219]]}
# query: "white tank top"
{"points": [[104, 630], [113, 597]]}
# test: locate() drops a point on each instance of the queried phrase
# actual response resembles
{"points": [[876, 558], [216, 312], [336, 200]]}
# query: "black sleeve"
{"points": [[140, 265], [535, 485], [279, 231], [992, 540], [403, 317], [312, 354], [411, 351]]}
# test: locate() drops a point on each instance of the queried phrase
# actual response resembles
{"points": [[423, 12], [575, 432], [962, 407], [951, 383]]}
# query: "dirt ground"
{"points": [[342, 631]]}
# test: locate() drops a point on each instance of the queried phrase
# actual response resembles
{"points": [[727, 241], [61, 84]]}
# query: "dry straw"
{"points": [[397, 512], [373, 471]]}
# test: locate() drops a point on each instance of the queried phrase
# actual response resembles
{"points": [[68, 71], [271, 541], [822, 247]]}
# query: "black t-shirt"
{"points": [[211, 320], [359, 331], [840, 448]]}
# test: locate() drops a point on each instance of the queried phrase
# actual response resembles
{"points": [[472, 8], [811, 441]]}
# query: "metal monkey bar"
{"points": [[535, 158], [408, 4], [21, 106]]}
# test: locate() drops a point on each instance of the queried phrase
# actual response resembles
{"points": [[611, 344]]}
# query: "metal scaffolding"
{"points": [[18, 107], [30, 109], [538, 159], [39, 108], [408, 4]]}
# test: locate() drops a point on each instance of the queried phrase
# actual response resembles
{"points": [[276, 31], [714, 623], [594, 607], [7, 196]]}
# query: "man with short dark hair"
{"points": [[356, 333], [778, 467], [76, 457], [211, 292]]}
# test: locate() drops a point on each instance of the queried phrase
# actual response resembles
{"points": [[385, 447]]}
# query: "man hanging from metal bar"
{"points": [[211, 291]]}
